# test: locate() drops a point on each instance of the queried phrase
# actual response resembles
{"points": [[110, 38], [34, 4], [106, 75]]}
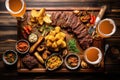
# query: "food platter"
{"points": [[41, 68]]}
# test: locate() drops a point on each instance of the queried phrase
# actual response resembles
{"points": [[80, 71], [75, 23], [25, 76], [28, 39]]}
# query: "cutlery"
{"points": [[106, 48], [98, 18]]}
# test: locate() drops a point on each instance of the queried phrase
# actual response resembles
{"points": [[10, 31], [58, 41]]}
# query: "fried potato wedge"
{"points": [[34, 13], [47, 19], [40, 20], [40, 16], [41, 12]]}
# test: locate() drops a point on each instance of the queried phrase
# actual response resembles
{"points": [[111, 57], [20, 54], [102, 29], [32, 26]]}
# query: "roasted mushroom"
{"points": [[41, 48], [64, 53], [45, 54]]}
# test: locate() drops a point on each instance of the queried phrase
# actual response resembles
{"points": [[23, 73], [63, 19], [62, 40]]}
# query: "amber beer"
{"points": [[106, 28], [16, 8], [93, 55]]}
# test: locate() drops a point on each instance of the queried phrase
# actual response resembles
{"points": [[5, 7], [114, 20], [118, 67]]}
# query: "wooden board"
{"points": [[96, 42]]}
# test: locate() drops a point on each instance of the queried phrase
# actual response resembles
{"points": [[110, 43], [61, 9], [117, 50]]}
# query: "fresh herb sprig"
{"points": [[72, 46], [44, 29]]}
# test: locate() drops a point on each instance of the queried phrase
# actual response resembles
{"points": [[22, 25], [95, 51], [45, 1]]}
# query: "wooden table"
{"points": [[8, 38]]}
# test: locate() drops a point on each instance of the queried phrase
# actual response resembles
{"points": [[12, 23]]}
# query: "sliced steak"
{"points": [[85, 42], [69, 30], [73, 24], [61, 19], [74, 21], [55, 17], [83, 33], [78, 22], [87, 38], [85, 45], [65, 19], [69, 19], [52, 16], [78, 30]]}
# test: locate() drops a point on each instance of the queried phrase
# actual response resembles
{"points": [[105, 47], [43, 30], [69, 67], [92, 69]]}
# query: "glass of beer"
{"points": [[93, 55], [17, 8], [106, 28]]}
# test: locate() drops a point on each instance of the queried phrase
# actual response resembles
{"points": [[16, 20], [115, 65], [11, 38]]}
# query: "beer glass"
{"points": [[106, 28], [16, 8]]}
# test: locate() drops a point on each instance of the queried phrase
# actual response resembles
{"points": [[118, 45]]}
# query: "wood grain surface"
{"points": [[8, 37]]}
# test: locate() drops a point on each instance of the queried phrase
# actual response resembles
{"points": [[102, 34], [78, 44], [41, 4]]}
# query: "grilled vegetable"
{"points": [[85, 18], [26, 30], [92, 19]]}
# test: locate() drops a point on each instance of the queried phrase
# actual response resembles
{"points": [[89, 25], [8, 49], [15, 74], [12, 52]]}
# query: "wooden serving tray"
{"points": [[96, 42]]}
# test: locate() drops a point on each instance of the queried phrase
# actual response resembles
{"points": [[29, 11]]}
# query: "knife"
{"points": [[98, 18]]}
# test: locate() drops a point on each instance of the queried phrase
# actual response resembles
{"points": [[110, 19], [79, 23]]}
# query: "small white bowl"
{"points": [[7, 52], [70, 67]]}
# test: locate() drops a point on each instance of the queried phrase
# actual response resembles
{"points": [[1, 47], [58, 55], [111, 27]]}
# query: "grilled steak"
{"points": [[61, 19], [78, 23], [67, 23], [65, 19], [74, 21], [78, 30], [83, 33], [29, 61], [73, 24], [85, 42], [55, 17]]}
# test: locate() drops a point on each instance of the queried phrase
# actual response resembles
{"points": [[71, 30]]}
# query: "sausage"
{"points": [[34, 46]]}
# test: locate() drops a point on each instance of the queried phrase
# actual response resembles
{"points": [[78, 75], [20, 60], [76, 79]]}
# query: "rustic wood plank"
{"points": [[41, 68], [61, 1]]}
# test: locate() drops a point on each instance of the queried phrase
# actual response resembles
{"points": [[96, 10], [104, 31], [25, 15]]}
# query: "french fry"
{"points": [[47, 19], [33, 19], [41, 12], [34, 13], [40, 20], [40, 16]]}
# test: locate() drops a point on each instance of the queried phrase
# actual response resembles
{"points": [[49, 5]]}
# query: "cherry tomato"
{"points": [[92, 18]]}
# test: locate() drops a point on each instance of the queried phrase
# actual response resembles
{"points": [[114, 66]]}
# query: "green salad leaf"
{"points": [[72, 46]]}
